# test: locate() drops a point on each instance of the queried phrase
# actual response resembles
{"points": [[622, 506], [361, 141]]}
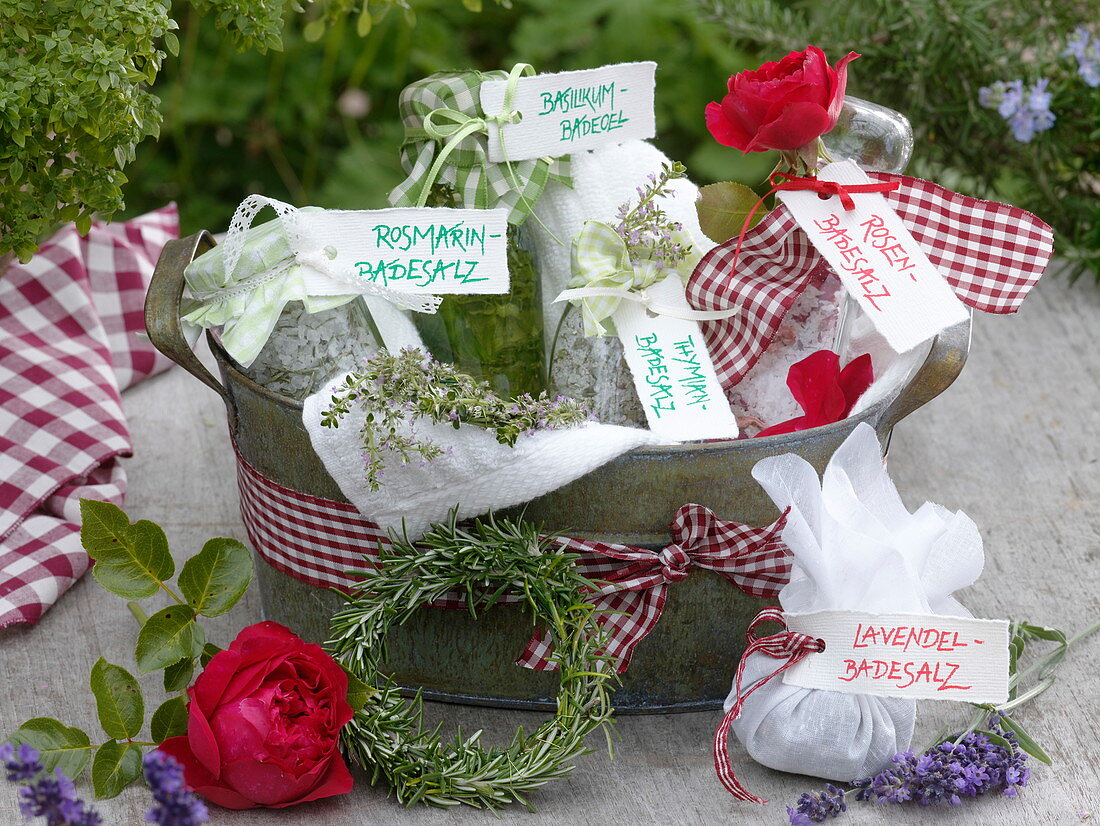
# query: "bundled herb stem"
{"points": [[394, 391]]}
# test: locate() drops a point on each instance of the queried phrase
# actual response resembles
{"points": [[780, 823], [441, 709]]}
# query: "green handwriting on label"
{"points": [[431, 237], [659, 385], [673, 374], [421, 272], [596, 105], [691, 378]]}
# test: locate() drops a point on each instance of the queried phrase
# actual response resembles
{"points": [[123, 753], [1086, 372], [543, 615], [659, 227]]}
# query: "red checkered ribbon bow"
{"points": [[991, 254], [633, 595], [787, 646], [321, 541]]}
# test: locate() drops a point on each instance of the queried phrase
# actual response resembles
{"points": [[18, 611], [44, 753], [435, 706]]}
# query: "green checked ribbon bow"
{"points": [[447, 137], [604, 276]]}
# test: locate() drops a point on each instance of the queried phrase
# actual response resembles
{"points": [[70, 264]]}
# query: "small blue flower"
{"points": [[1027, 109], [1086, 49], [817, 808]]}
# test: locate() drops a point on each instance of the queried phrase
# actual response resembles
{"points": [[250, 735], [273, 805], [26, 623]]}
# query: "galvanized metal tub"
{"points": [[685, 664]]}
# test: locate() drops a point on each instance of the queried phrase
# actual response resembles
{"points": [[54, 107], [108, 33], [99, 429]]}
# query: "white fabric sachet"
{"points": [[855, 546]]}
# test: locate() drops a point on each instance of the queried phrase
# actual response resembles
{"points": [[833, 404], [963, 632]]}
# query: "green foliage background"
{"points": [[241, 122]]}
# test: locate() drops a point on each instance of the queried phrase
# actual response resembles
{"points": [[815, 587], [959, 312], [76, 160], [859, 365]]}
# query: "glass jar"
{"points": [[495, 338]]}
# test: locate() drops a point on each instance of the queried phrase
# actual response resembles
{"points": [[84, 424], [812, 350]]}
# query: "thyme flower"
{"points": [[648, 232], [395, 391]]}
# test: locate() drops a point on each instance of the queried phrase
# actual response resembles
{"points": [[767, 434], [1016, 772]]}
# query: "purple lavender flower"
{"points": [[22, 765], [817, 808], [175, 806], [1086, 48], [51, 796]]}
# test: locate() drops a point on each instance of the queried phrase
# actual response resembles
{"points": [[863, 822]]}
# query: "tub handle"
{"points": [[941, 367], [162, 312]]}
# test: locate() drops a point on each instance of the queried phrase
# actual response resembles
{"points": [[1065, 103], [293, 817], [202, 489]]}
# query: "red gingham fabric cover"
{"points": [[71, 339], [991, 254], [324, 542]]}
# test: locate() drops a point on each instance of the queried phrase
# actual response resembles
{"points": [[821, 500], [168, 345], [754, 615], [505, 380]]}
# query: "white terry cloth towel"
{"points": [[603, 179], [477, 473], [856, 547]]}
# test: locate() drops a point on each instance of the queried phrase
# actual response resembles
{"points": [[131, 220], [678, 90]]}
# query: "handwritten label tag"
{"points": [[878, 260], [421, 251], [672, 370], [921, 656], [570, 111]]}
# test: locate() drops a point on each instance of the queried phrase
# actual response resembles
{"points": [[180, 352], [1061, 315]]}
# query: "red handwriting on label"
{"points": [[904, 636], [853, 260], [879, 237], [903, 674]]}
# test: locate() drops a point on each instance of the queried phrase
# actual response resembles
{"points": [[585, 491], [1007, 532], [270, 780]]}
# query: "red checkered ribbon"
{"points": [[71, 325], [787, 646], [991, 254], [324, 543]]}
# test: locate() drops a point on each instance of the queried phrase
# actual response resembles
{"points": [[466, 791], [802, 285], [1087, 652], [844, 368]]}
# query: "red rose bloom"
{"points": [[782, 105], [264, 722]]}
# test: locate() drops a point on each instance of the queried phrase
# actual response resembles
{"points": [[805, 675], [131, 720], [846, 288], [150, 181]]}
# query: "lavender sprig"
{"points": [[817, 808], [175, 805], [646, 229], [44, 794], [397, 390]]}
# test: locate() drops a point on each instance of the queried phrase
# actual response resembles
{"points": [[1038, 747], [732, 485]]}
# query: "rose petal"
{"points": [[839, 90], [855, 378], [724, 130], [337, 780], [813, 383], [201, 738], [798, 124]]}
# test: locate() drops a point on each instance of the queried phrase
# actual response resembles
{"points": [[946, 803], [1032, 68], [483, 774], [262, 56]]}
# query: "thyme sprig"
{"points": [[647, 230], [394, 391]]}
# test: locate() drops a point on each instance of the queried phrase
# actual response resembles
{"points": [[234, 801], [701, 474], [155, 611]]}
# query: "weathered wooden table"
{"points": [[1015, 444]]}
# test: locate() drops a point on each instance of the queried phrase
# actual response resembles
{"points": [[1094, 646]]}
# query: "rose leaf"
{"points": [[723, 207], [130, 560], [216, 577], [167, 637], [59, 746], [169, 720], [116, 766], [178, 675], [358, 691], [118, 700]]}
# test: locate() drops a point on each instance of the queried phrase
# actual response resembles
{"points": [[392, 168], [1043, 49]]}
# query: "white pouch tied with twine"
{"points": [[855, 547]]}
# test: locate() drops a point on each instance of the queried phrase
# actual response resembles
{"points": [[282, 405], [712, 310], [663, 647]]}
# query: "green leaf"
{"points": [[216, 577], [723, 208], [116, 766], [130, 560], [358, 691], [169, 720], [208, 652], [1026, 741], [59, 746], [1044, 633], [314, 30], [172, 42], [170, 635], [118, 700], [995, 739], [178, 675]]}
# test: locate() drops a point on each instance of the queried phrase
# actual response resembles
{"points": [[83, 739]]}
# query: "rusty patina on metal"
{"points": [[685, 664]]}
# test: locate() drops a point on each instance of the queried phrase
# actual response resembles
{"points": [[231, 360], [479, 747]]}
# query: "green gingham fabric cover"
{"points": [[480, 183], [245, 303]]}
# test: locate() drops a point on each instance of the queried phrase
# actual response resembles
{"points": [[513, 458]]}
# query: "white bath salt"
{"points": [[307, 349]]}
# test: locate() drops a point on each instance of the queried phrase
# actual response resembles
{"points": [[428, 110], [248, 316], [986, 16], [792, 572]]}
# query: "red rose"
{"points": [[263, 723], [782, 105]]}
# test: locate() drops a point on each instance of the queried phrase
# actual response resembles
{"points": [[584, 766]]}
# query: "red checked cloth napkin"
{"points": [[991, 254], [69, 344]]}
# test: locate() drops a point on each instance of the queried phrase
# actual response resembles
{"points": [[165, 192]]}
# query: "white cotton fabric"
{"points": [[603, 179], [477, 473], [856, 547]]}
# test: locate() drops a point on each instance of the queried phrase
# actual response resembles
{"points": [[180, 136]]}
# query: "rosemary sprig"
{"points": [[481, 563]]}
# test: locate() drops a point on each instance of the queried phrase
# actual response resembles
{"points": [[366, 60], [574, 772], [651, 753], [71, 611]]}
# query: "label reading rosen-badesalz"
{"points": [[570, 111]]}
